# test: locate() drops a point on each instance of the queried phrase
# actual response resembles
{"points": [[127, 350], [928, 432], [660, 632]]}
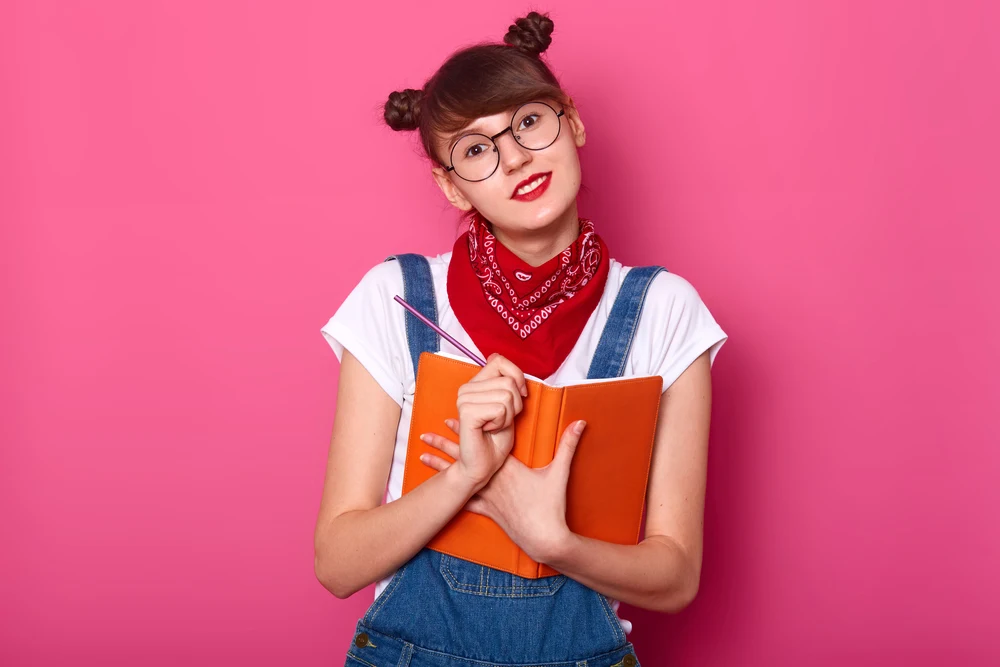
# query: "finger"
{"points": [[510, 369], [567, 446], [496, 383], [444, 444], [435, 462], [497, 365], [485, 416], [500, 398], [490, 370], [452, 424], [503, 397]]}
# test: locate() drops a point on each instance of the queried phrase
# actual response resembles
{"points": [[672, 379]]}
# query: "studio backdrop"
{"points": [[188, 191]]}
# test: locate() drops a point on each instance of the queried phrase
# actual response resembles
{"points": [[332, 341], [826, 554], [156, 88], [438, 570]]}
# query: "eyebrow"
{"points": [[475, 128]]}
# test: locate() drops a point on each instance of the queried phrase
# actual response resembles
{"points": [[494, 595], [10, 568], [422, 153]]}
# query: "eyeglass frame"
{"points": [[493, 140]]}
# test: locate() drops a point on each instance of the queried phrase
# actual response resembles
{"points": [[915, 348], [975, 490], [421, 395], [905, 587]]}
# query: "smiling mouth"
{"points": [[531, 186]]}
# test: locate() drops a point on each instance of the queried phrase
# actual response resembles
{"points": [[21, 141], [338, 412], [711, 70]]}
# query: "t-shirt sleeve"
{"points": [[370, 324], [675, 328]]}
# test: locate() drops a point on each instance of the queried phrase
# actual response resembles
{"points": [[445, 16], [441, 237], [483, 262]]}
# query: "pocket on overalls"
{"points": [[464, 576], [352, 661]]}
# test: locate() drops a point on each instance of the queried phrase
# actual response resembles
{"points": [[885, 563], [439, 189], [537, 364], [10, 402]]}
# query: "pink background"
{"points": [[188, 190]]}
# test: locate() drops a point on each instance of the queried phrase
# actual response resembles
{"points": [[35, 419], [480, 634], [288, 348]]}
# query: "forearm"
{"points": [[654, 574], [361, 547]]}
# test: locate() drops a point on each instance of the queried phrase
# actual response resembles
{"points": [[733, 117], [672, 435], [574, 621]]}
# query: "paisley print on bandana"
{"points": [[577, 265], [535, 319]]}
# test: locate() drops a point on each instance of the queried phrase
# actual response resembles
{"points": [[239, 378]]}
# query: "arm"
{"points": [[358, 540], [662, 572]]}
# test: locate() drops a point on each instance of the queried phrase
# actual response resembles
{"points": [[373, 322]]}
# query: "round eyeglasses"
{"points": [[534, 125]]}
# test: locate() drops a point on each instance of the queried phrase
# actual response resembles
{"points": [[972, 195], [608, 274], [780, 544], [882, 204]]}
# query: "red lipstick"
{"points": [[538, 191]]}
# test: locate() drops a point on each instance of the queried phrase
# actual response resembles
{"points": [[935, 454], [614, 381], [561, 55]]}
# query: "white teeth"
{"points": [[531, 186]]}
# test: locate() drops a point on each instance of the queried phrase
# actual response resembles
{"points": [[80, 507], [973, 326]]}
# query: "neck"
{"points": [[537, 246]]}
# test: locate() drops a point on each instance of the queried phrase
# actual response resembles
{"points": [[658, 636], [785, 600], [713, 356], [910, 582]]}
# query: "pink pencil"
{"points": [[448, 338]]}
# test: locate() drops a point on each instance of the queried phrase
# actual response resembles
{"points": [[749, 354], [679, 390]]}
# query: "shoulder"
{"points": [[387, 277], [439, 266], [383, 281], [384, 276], [388, 272], [675, 327], [672, 303], [665, 291], [672, 288]]}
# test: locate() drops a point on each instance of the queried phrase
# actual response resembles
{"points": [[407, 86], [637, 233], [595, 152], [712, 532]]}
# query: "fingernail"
{"points": [[579, 427], [524, 391], [425, 437]]}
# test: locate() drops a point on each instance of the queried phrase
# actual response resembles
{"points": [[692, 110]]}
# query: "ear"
{"points": [[576, 127], [450, 190]]}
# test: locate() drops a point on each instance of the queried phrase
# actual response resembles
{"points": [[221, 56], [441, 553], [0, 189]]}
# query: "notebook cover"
{"points": [[606, 492]]}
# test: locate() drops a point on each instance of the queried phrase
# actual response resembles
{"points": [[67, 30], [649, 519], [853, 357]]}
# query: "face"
{"points": [[496, 197]]}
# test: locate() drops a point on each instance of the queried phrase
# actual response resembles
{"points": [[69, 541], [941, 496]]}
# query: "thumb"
{"points": [[568, 444]]}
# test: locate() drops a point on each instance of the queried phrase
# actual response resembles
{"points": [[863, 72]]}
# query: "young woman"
{"points": [[532, 288]]}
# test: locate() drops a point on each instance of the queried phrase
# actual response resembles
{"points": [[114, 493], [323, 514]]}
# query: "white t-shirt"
{"points": [[675, 328]]}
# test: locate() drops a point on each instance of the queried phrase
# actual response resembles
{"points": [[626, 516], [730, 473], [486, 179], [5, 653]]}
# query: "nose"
{"points": [[512, 154]]}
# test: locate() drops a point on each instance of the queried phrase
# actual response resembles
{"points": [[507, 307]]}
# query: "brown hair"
{"points": [[480, 80]]}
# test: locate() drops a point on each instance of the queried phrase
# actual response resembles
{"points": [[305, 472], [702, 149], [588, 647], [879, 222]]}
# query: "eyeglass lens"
{"points": [[535, 126]]}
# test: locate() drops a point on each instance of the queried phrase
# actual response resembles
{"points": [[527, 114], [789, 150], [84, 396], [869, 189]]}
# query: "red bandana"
{"points": [[533, 315]]}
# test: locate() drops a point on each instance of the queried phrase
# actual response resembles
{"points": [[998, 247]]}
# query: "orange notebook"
{"points": [[606, 493]]}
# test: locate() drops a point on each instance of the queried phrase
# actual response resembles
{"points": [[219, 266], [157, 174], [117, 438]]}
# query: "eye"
{"points": [[528, 121], [475, 150]]}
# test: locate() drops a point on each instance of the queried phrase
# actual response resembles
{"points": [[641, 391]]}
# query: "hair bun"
{"points": [[402, 109], [532, 33]]}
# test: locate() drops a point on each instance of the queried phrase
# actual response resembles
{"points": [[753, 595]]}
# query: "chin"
{"points": [[524, 224], [533, 215]]}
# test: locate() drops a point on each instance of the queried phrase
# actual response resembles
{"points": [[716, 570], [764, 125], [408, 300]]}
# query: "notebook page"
{"points": [[464, 359]]}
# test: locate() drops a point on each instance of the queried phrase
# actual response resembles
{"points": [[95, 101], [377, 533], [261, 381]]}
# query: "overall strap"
{"points": [[616, 338], [418, 291]]}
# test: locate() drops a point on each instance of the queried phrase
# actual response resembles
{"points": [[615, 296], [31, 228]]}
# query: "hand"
{"points": [[529, 504], [487, 405]]}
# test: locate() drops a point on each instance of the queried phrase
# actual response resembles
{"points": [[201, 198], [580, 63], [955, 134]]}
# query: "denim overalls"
{"points": [[442, 611]]}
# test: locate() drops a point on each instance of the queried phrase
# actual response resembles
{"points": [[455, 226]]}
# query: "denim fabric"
{"points": [[418, 291], [443, 611], [617, 335]]}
